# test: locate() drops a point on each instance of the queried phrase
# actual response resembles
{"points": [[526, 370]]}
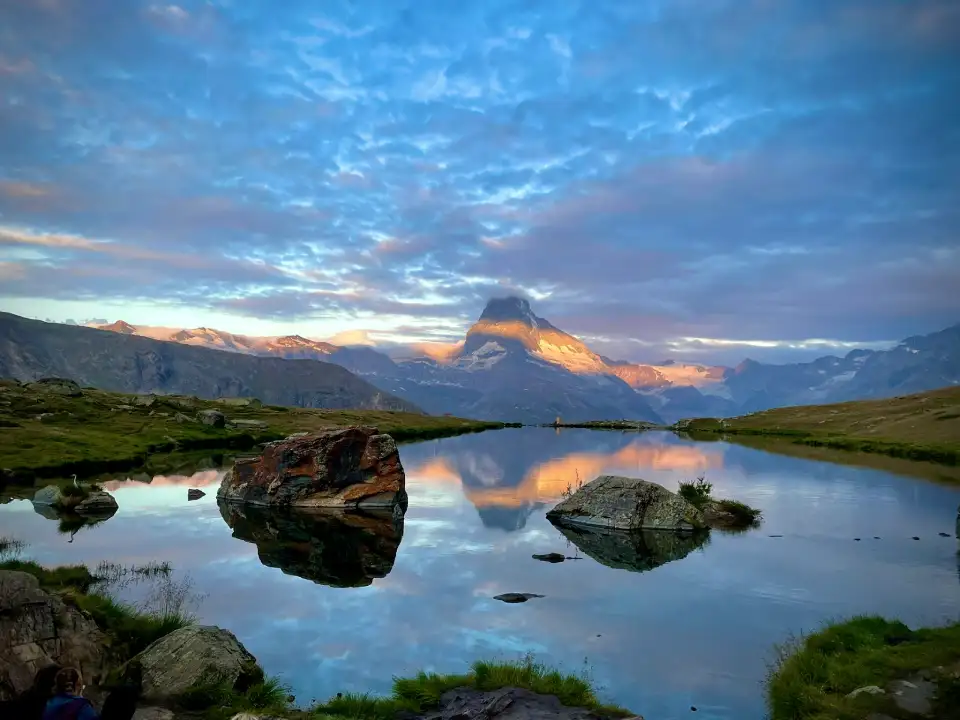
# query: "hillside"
{"points": [[123, 362], [56, 428], [924, 426]]}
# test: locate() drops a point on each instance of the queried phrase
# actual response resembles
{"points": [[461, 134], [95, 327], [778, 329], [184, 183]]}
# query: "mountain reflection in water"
{"points": [[327, 547]]}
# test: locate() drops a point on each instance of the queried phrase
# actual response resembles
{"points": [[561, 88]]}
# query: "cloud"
{"points": [[771, 171]]}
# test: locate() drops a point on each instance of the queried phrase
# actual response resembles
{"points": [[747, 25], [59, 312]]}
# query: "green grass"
{"points": [[423, 691], [811, 676], [76, 577], [219, 701], [89, 434], [744, 514], [924, 426], [696, 493]]}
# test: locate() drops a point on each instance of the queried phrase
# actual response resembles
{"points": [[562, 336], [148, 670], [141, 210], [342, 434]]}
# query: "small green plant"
{"points": [[571, 487], [696, 493], [10, 548], [744, 515]]}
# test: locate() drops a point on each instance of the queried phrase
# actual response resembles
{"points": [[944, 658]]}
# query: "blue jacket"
{"points": [[69, 707]]}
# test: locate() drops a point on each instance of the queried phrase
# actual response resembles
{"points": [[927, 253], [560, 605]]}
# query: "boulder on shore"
{"points": [[99, 503], [49, 495], [623, 503], [213, 418], [191, 657], [353, 467], [37, 630]]}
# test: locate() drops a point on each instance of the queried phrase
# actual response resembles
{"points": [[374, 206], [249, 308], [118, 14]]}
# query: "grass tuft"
{"points": [[696, 493], [743, 513], [811, 676], [422, 692], [65, 577]]}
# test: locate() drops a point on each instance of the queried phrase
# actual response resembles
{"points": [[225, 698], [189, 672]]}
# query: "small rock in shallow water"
{"points": [[550, 558], [774, 535], [915, 537], [857, 539], [516, 597], [876, 537], [944, 534]]}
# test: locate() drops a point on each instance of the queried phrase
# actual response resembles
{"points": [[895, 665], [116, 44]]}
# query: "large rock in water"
{"points": [[49, 495], [38, 630], [624, 503], [354, 467], [329, 547], [192, 657], [99, 503]]}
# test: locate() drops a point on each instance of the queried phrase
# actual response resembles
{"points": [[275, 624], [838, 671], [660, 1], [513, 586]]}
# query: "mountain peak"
{"points": [[509, 308], [120, 326]]}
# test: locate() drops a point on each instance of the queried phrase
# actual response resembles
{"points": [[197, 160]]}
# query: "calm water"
{"points": [[696, 630]]}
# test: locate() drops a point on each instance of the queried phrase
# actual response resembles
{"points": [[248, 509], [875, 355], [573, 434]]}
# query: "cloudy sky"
{"points": [[703, 178]]}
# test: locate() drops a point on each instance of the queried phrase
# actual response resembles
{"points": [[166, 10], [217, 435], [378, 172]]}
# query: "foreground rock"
{"points": [[623, 503], [505, 704], [192, 657], [37, 630], [355, 467], [635, 551], [329, 547], [98, 503], [49, 495], [213, 418]]}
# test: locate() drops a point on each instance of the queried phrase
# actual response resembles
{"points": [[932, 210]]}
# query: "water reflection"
{"points": [[635, 551], [326, 547], [70, 523], [693, 631]]}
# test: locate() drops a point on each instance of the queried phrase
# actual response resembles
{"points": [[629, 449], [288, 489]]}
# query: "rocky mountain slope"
{"points": [[125, 362], [514, 365]]}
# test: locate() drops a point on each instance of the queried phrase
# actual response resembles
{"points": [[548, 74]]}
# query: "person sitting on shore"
{"points": [[68, 702]]}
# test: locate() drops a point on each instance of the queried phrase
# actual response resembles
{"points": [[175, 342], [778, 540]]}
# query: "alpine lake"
{"points": [[661, 624]]}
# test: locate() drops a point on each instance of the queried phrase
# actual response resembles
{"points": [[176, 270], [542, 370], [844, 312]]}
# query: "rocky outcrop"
{"points": [[191, 657], [355, 467], [213, 418], [506, 704], [635, 551], [58, 386], [328, 547], [623, 503], [99, 503], [38, 630]]}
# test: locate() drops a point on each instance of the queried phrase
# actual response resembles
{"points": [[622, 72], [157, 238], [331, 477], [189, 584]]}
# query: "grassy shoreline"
{"points": [[814, 677], [47, 434], [130, 631], [924, 427], [636, 425]]}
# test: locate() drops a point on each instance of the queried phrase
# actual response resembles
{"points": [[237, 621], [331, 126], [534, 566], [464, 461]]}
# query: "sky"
{"points": [[709, 179]]}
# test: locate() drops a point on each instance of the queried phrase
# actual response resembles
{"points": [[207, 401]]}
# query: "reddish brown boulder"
{"points": [[354, 467]]}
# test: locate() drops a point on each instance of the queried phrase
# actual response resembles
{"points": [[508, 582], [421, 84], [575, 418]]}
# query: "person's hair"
{"points": [[68, 681]]}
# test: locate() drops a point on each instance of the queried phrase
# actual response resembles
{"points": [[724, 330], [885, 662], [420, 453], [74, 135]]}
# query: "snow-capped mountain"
{"points": [[514, 365]]}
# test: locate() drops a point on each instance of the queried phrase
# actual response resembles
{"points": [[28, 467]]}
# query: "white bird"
{"points": [[75, 483]]}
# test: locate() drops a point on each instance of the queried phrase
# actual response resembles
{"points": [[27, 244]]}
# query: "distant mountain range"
{"points": [[126, 362], [515, 366], [512, 365]]}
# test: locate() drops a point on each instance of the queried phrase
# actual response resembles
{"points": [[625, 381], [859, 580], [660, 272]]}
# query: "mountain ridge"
{"points": [[520, 366]]}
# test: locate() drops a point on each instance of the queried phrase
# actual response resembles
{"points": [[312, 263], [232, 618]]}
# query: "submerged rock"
{"points": [[37, 630], [638, 551], [329, 547], [193, 656], [516, 597], [99, 503], [354, 467], [624, 503]]}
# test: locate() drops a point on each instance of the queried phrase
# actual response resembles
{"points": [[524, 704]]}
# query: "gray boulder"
{"points": [[253, 424], [49, 495], [38, 630], [183, 419], [214, 418], [624, 503], [59, 386], [145, 400], [191, 657], [98, 502]]}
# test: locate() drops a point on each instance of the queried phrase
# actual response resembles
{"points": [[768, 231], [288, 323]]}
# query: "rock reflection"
{"points": [[328, 547], [69, 523], [637, 551]]}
